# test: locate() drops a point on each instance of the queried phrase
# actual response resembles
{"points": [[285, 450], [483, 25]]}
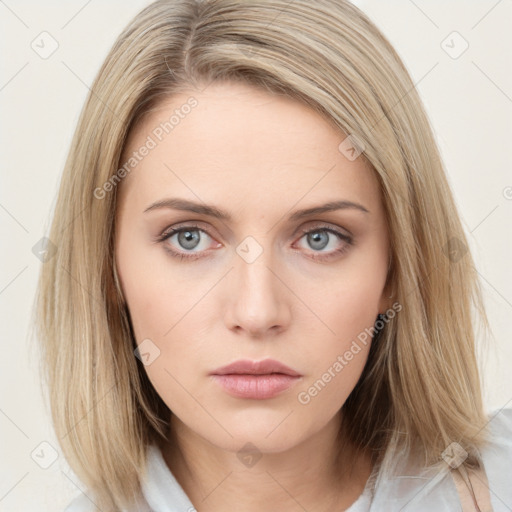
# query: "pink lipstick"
{"points": [[258, 380]]}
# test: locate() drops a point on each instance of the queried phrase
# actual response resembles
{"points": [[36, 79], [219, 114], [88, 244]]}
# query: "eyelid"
{"points": [[169, 230], [348, 240], [304, 228], [311, 225]]}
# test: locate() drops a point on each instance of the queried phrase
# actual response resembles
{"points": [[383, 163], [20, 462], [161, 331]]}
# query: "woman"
{"points": [[263, 297]]}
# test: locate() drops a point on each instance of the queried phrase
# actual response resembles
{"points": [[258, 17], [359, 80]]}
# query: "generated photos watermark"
{"points": [[363, 338], [153, 139]]}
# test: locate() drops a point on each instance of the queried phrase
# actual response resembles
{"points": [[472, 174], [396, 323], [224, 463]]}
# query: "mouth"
{"points": [[256, 387], [258, 380], [249, 367]]}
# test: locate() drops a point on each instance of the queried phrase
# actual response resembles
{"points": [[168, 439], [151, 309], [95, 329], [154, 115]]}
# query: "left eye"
{"points": [[319, 238], [190, 239]]}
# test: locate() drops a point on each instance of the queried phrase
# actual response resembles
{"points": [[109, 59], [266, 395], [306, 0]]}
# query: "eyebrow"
{"points": [[212, 211]]}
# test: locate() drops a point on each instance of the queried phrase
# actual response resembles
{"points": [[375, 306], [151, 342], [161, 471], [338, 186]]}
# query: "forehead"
{"points": [[239, 144]]}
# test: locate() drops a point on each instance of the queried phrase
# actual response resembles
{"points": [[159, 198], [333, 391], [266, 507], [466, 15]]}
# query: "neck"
{"points": [[314, 475]]}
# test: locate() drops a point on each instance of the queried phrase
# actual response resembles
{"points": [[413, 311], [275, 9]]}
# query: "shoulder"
{"points": [[414, 487], [499, 436], [497, 457], [81, 504], [500, 422]]}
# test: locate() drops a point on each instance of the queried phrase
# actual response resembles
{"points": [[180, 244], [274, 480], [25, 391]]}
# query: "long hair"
{"points": [[420, 387]]}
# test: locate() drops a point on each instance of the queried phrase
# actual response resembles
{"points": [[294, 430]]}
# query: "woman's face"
{"points": [[251, 284]]}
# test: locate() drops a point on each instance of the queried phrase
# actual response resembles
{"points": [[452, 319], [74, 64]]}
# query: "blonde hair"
{"points": [[420, 387]]}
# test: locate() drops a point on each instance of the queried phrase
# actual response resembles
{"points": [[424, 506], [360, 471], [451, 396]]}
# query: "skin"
{"points": [[260, 157]]}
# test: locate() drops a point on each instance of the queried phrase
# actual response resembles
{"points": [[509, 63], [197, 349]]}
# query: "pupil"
{"points": [[316, 239], [189, 239]]}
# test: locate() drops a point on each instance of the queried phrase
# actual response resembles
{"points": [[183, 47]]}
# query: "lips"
{"points": [[256, 380], [248, 367]]}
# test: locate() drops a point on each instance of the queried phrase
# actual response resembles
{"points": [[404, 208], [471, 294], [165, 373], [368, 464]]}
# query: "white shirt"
{"points": [[422, 491]]}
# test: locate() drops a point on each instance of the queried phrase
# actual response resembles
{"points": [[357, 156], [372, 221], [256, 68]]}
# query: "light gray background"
{"points": [[468, 99]]}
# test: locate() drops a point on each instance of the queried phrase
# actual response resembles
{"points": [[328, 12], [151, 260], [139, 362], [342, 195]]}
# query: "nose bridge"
{"points": [[258, 298]]}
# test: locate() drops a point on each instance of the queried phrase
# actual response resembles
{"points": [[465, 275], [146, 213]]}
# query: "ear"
{"points": [[386, 299]]}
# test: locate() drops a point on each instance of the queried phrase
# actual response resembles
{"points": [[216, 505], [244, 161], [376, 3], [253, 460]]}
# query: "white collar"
{"points": [[422, 491], [161, 489]]}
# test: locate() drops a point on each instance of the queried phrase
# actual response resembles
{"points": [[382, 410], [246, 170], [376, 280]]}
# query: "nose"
{"points": [[259, 298]]}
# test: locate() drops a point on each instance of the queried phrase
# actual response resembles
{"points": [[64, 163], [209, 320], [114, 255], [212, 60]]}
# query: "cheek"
{"points": [[347, 307], [158, 311], [154, 299], [166, 309], [348, 302], [336, 359]]}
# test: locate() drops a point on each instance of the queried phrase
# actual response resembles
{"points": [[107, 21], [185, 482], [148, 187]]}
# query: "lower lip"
{"points": [[258, 387]]}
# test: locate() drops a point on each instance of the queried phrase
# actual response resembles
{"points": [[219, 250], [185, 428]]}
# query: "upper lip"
{"points": [[246, 366]]}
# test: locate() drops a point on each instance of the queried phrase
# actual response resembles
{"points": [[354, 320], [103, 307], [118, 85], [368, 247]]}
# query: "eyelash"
{"points": [[194, 227]]}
